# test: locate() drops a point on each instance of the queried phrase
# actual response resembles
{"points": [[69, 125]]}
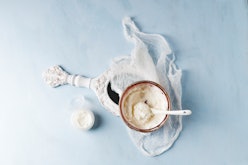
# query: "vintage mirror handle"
{"points": [[56, 76]]}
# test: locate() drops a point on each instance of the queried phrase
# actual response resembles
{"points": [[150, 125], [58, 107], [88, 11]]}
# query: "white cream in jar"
{"points": [[83, 119]]}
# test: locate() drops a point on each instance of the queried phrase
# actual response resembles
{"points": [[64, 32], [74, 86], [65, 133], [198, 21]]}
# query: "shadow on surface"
{"points": [[191, 99], [98, 121]]}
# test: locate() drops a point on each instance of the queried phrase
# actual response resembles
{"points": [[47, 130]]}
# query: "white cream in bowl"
{"points": [[136, 104]]}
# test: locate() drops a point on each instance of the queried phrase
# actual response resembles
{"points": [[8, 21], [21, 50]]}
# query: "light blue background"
{"points": [[209, 38]]}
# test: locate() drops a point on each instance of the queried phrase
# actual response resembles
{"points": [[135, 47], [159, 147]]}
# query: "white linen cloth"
{"points": [[151, 59]]}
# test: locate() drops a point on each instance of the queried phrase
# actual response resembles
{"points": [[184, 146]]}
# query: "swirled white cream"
{"points": [[137, 104], [142, 112], [83, 119]]}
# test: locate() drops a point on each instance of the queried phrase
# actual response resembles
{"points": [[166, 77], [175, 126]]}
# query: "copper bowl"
{"points": [[124, 108]]}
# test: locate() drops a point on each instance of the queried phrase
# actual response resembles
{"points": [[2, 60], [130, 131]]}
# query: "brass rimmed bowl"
{"points": [[147, 92]]}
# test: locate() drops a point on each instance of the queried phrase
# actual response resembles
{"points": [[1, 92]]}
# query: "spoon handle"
{"points": [[174, 112]]}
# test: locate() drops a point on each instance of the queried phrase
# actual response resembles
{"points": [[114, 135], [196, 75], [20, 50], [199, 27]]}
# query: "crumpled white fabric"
{"points": [[151, 59]]}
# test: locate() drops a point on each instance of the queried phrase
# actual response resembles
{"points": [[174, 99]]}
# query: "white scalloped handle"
{"points": [[55, 76]]}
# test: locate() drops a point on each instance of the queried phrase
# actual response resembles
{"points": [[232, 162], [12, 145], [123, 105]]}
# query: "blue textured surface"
{"points": [[210, 39]]}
